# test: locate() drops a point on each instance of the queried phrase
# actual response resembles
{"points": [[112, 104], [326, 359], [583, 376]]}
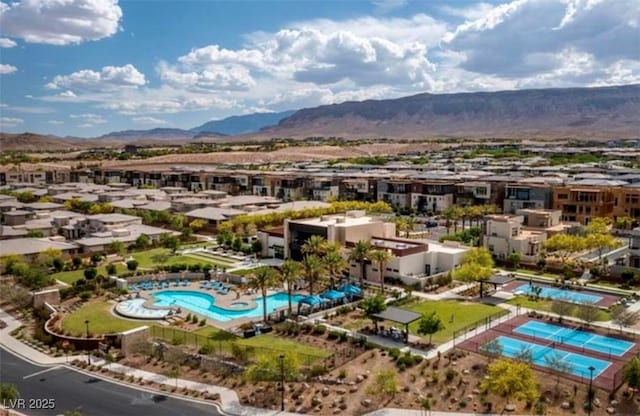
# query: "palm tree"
{"points": [[261, 279], [314, 269], [335, 263], [315, 245], [401, 226], [291, 270], [360, 253], [381, 258]]}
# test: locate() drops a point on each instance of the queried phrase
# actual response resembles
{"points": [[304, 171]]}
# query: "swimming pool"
{"points": [[204, 304], [575, 337], [580, 364], [562, 294]]}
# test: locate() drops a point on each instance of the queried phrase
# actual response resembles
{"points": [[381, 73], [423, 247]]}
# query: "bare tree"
{"points": [[588, 312], [562, 308], [623, 317]]}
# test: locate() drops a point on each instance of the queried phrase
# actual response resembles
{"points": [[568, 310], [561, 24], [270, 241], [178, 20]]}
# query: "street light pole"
{"points": [[590, 393], [282, 382], [86, 323]]}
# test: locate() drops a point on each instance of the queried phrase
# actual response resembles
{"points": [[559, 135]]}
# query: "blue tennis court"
{"points": [[562, 294], [575, 337], [580, 364]]}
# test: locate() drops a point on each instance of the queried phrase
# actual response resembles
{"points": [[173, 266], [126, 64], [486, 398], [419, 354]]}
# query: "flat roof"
{"points": [[401, 316]]}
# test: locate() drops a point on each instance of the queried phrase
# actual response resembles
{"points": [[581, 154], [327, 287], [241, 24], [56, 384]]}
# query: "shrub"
{"points": [[342, 374], [206, 349], [194, 319], [177, 340], [319, 329], [111, 269], [450, 374], [394, 353], [85, 294], [132, 265], [90, 273], [188, 318], [317, 370], [334, 334], [67, 292], [203, 322]]}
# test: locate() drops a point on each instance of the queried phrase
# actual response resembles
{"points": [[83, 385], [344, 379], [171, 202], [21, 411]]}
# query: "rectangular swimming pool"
{"points": [[562, 294], [575, 337], [580, 364]]}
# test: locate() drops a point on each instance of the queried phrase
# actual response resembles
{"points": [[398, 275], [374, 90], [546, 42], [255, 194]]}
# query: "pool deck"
{"points": [[221, 301], [605, 380], [606, 301]]}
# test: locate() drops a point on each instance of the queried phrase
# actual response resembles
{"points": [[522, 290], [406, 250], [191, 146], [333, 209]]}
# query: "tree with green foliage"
{"points": [[360, 254], [177, 221], [627, 275], [476, 266], [512, 379], [381, 258], [314, 270], [35, 234], [316, 245], [142, 241], [256, 246], [170, 241], [269, 367], [96, 258], [261, 279], [564, 245], [291, 271], [334, 263], [132, 265], [117, 247], [90, 273], [237, 243], [197, 225], [77, 262], [631, 373], [111, 269], [58, 264], [371, 306], [514, 259], [430, 324]]}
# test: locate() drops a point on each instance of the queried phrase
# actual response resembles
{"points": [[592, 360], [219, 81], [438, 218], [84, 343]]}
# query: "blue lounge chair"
{"points": [[214, 284], [203, 284], [133, 288], [185, 282]]}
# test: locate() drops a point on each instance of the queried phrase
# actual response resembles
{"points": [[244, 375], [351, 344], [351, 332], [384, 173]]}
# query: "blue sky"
{"points": [[88, 67]]}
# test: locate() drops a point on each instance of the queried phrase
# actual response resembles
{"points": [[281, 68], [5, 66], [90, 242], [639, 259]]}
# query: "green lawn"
{"points": [[207, 258], [72, 276], [463, 314], [264, 341], [101, 321], [536, 273], [544, 305], [146, 261]]}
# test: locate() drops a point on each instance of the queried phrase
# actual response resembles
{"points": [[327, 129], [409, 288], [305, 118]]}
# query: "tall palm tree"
{"points": [[314, 270], [335, 263], [261, 279], [360, 253], [381, 258], [315, 245], [291, 270]]}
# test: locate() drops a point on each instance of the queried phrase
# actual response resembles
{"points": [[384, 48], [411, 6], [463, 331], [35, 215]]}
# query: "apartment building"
{"points": [[627, 201], [432, 196], [634, 248], [358, 189], [397, 193], [505, 234], [519, 196], [582, 202], [323, 188]]}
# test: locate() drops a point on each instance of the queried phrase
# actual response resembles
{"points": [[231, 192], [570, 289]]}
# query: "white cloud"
{"points": [[60, 22], [214, 77], [89, 118], [7, 43], [7, 69], [68, 94], [149, 120], [10, 121], [56, 122], [85, 125], [469, 11], [109, 78]]}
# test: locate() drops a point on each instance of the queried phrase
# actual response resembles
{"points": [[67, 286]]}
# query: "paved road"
{"points": [[92, 397]]}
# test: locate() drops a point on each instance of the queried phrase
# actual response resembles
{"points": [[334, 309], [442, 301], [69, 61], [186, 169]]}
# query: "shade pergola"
{"points": [[497, 280], [333, 295], [401, 316]]}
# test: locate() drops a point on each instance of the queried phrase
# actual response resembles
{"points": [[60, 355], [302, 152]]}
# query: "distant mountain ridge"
{"points": [[159, 133], [244, 124], [604, 112]]}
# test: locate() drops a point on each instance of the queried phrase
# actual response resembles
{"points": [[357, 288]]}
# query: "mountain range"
{"points": [[590, 113]]}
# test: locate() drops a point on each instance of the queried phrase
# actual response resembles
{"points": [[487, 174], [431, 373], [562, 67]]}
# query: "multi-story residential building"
{"points": [[289, 188], [581, 202], [505, 234], [526, 196], [473, 193], [395, 192], [627, 201], [358, 189], [634, 248], [324, 188], [431, 196]]}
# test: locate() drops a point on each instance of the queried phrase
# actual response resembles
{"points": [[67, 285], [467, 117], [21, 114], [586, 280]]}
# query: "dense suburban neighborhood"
{"points": [[332, 288]]}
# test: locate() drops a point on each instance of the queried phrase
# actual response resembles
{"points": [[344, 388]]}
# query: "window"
{"points": [[563, 196]]}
